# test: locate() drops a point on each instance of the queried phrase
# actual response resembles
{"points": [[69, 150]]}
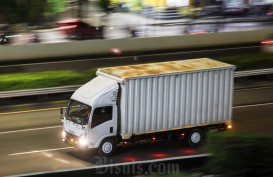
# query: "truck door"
{"points": [[103, 124]]}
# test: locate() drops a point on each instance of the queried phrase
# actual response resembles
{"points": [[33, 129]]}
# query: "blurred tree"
{"points": [[105, 5], [82, 8], [31, 11]]}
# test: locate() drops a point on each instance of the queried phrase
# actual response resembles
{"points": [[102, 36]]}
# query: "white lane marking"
{"points": [[61, 160], [24, 130], [48, 155], [38, 151], [253, 105], [31, 129]]}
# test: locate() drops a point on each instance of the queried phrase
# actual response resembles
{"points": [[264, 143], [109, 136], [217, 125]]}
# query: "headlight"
{"points": [[63, 134], [82, 141]]}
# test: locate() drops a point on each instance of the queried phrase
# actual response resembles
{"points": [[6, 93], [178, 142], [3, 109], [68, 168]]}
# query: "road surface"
{"points": [[31, 139]]}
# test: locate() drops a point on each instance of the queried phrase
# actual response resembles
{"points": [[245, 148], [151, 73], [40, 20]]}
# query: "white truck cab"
{"points": [[91, 114]]}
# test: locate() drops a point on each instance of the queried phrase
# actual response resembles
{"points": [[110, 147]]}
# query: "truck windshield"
{"points": [[78, 112]]}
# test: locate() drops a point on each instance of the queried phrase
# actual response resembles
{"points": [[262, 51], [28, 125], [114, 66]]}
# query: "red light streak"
{"points": [[267, 42], [159, 155]]}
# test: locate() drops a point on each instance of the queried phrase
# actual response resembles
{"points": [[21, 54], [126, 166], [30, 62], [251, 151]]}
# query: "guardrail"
{"points": [[41, 91], [171, 165], [253, 72], [67, 89]]}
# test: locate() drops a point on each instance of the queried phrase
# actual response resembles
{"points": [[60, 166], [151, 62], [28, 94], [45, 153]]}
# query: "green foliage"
{"points": [[249, 62], [104, 5], [240, 155], [43, 79], [31, 11], [54, 6], [63, 78]]}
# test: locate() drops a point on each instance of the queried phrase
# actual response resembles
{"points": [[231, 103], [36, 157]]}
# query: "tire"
{"points": [[196, 137], [107, 147]]}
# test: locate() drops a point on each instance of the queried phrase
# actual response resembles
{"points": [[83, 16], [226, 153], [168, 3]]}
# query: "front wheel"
{"points": [[107, 147], [196, 137]]}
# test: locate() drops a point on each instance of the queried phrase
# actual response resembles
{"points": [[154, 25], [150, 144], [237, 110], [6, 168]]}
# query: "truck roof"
{"points": [[142, 70]]}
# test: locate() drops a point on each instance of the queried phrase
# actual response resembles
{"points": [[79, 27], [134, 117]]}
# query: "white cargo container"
{"points": [[167, 100]]}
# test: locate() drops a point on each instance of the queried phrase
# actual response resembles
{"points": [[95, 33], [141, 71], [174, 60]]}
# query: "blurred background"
{"points": [[35, 21]]}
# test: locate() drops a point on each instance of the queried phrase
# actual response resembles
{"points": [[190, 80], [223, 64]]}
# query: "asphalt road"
{"points": [[31, 139]]}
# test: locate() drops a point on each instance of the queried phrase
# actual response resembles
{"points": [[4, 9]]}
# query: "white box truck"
{"points": [[156, 101]]}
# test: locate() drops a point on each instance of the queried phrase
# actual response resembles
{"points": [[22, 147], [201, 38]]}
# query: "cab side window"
{"points": [[101, 115]]}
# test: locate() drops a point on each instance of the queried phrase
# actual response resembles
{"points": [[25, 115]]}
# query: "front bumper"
{"points": [[73, 140]]}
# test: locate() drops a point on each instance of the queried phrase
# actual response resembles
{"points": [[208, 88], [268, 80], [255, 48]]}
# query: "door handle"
{"points": [[111, 129]]}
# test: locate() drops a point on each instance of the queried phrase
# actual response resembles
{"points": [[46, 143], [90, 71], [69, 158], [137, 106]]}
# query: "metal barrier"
{"points": [[67, 89], [253, 72], [41, 91]]}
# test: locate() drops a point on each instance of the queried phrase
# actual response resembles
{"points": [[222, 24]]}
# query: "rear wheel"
{"points": [[196, 137], [107, 147]]}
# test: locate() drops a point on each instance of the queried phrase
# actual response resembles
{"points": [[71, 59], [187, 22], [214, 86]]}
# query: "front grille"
{"points": [[71, 139]]}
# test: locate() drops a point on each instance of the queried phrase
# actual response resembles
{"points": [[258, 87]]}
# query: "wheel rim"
{"points": [[107, 147], [195, 137]]}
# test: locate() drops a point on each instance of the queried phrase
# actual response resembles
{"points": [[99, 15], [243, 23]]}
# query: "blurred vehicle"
{"points": [[269, 11], [120, 7], [4, 39], [235, 11], [198, 29], [80, 29], [235, 8], [208, 11], [29, 38], [267, 44], [4, 34]]}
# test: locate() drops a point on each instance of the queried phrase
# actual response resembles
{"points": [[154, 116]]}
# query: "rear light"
{"points": [[199, 32], [267, 42], [67, 27]]}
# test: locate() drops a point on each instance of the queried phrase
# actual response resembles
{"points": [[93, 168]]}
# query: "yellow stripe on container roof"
{"points": [[161, 68]]}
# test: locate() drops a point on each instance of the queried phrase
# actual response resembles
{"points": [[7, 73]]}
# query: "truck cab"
{"points": [[91, 116]]}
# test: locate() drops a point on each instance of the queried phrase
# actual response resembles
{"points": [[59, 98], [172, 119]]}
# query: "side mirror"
{"points": [[61, 112]]}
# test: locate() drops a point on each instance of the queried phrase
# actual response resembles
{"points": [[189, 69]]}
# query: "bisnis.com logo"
{"points": [[135, 168]]}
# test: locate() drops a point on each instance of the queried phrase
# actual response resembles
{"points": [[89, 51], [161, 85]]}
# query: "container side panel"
{"points": [[156, 93], [137, 110], [199, 98], [143, 105], [193, 99], [205, 93], [210, 97], [131, 100], [221, 95], [189, 99], [226, 94], [171, 106], [149, 107], [123, 109], [178, 99], [166, 102], [183, 102], [231, 94], [159, 103]]}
